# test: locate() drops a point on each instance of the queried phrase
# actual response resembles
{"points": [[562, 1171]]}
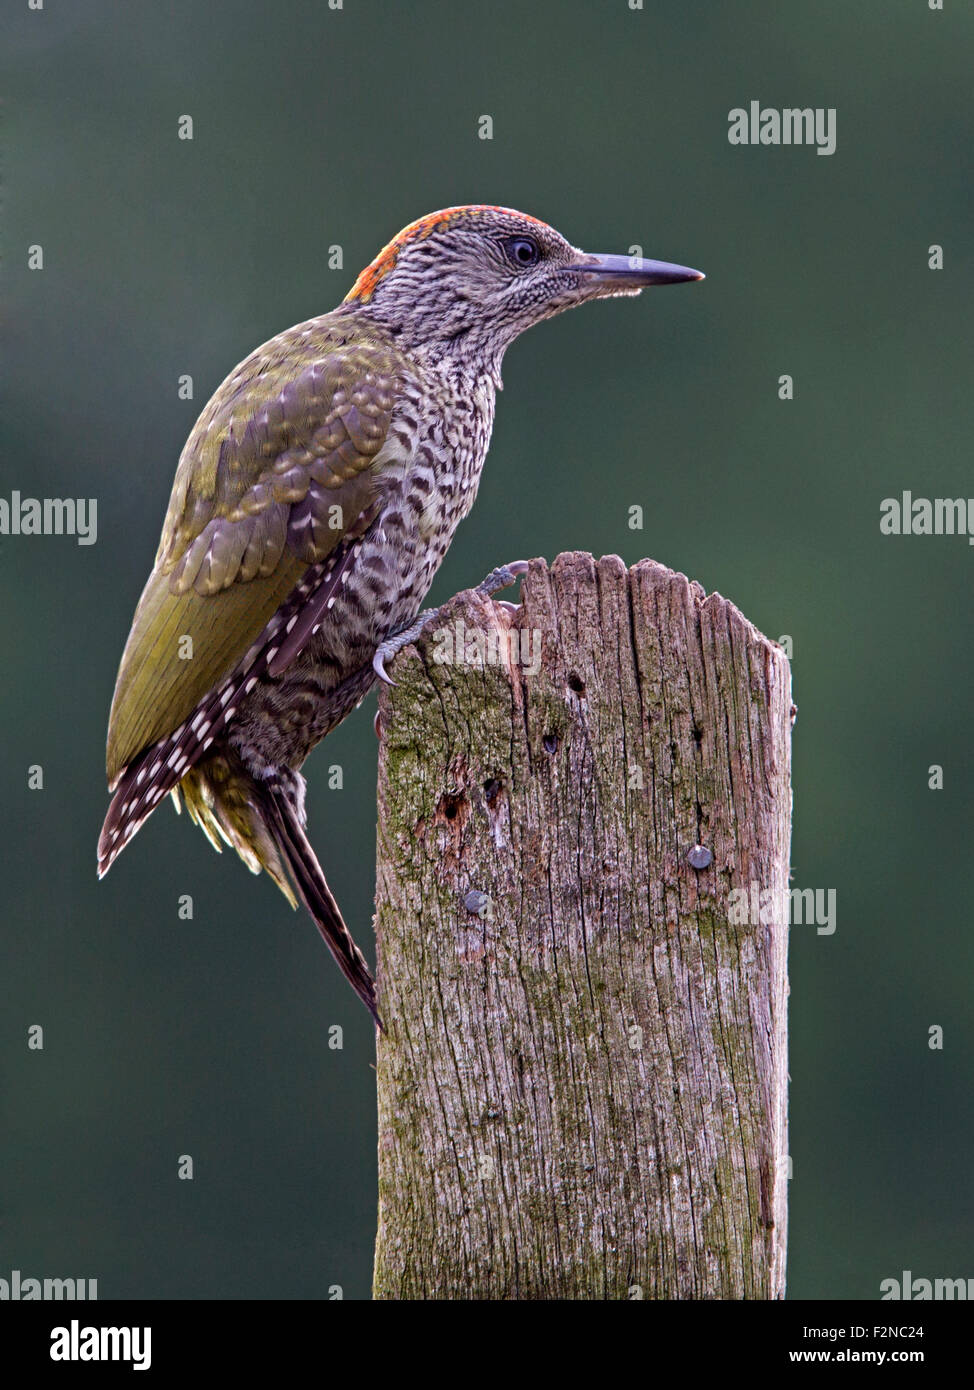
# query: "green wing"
{"points": [[277, 450]]}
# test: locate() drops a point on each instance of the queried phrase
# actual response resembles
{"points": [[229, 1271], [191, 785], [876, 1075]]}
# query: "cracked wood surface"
{"points": [[582, 1089]]}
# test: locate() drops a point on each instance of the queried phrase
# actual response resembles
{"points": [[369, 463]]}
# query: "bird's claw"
{"points": [[394, 644], [378, 666], [500, 578]]}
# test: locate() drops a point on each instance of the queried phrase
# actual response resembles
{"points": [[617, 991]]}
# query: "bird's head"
{"points": [[466, 281]]}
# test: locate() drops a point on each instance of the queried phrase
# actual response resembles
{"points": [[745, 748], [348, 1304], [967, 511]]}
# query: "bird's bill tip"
{"points": [[633, 272]]}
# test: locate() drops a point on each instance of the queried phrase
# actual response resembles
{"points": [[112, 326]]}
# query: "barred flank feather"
{"points": [[157, 770]]}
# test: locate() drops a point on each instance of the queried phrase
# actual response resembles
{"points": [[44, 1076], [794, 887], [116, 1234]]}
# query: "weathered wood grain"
{"points": [[582, 1088]]}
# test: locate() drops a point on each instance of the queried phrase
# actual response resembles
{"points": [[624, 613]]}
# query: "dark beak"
{"points": [[631, 273]]}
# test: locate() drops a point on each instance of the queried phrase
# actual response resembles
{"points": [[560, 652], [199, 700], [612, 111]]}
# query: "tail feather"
{"points": [[312, 888], [138, 791]]}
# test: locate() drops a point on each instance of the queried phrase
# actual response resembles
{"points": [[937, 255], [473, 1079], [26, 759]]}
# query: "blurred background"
{"points": [[315, 127]]}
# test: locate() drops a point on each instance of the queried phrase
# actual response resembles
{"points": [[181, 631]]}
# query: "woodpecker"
{"points": [[313, 503]]}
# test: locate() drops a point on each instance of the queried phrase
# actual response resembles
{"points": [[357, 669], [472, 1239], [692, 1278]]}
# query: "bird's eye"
{"points": [[523, 251]]}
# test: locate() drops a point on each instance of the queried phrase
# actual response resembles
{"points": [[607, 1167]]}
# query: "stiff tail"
{"points": [[312, 888]]}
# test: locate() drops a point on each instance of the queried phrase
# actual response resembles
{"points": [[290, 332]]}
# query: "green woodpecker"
{"points": [[313, 503]]}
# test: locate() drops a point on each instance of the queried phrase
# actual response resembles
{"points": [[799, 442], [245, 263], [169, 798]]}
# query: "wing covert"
{"points": [[278, 468]]}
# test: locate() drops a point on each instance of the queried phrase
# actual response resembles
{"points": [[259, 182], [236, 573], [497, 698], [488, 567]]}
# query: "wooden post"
{"points": [[582, 1085]]}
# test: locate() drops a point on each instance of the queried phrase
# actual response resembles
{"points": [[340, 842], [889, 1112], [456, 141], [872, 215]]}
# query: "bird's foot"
{"points": [[394, 644], [501, 578]]}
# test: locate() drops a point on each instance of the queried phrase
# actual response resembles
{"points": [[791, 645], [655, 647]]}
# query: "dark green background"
{"points": [[165, 257]]}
